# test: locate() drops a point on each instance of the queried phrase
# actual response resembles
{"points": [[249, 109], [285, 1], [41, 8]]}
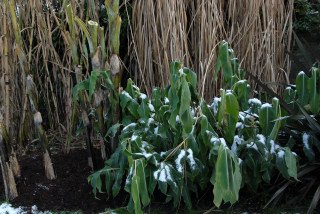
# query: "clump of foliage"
{"points": [[303, 129], [176, 142], [307, 16]]}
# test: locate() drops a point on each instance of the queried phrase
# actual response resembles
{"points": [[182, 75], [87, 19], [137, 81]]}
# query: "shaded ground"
{"points": [[70, 191]]}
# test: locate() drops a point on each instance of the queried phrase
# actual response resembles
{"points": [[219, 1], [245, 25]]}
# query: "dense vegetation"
{"points": [[237, 130]]}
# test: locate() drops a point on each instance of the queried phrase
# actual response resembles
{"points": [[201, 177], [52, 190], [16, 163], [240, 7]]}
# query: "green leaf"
{"points": [[143, 109], [77, 89], [291, 163], [225, 61], [228, 113], [242, 91], [92, 82], [135, 194], [302, 88], [113, 130], [314, 91], [227, 177], [185, 97], [266, 117]]}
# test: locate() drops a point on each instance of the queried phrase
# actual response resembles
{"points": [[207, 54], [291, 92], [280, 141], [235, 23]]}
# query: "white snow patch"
{"points": [[129, 175], [150, 121], [305, 139], [134, 137], [126, 94], [6, 208], [255, 101], [181, 155], [252, 145], [273, 147], [151, 107], [242, 81], [163, 174], [215, 104], [156, 130], [239, 125], [177, 119], [143, 96], [215, 140], [181, 72], [228, 92], [266, 105], [280, 154], [191, 160], [261, 138], [131, 125]]}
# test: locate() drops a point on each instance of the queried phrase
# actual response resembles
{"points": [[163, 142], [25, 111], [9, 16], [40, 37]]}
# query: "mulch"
{"points": [[69, 192]]}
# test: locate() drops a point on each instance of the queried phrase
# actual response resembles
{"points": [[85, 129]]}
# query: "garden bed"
{"points": [[70, 191]]}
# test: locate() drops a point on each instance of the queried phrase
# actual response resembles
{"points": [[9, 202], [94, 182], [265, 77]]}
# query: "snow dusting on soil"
{"points": [[6, 208]]}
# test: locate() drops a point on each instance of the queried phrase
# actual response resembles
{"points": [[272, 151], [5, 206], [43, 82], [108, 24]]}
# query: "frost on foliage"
{"points": [[266, 105], [261, 138], [129, 175], [166, 100], [181, 72], [280, 154], [143, 152], [134, 137], [127, 95], [150, 121], [177, 119], [254, 101], [215, 104], [273, 147], [239, 125], [163, 174], [305, 140], [236, 142], [131, 125], [190, 159], [228, 92], [252, 145], [181, 155], [151, 107], [143, 96], [156, 130], [215, 140]]}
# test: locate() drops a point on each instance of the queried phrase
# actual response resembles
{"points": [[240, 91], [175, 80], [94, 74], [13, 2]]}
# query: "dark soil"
{"points": [[69, 192]]}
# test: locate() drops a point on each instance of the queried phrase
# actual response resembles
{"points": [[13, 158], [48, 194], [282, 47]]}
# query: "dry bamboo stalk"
{"points": [[7, 174], [259, 31], [37, 118]]}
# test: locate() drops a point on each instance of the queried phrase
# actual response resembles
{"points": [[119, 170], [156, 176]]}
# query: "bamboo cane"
{"points": [[37, 118]]}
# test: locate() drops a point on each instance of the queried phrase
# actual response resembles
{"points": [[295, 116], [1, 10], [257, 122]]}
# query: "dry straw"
{"points": [[189, 31], [38, 42]]}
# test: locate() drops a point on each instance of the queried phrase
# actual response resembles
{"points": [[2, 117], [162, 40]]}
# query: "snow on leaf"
{"points": [[191, 160], [305, 140], [280, 154], [254, 101], [181, 155], [143, 96]]}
